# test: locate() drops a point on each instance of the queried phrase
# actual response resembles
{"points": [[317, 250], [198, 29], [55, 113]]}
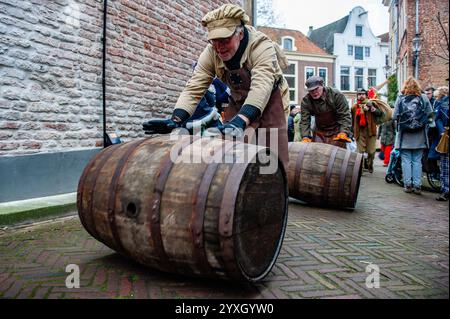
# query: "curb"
{"points": [[36, 214], [36, 209]]}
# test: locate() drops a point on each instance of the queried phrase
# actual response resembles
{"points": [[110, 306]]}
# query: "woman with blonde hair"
{"points": [[413, 112]]}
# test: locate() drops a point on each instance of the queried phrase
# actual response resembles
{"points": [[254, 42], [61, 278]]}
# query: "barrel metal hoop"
{"points": [[342, 175], [198, 214], [326, 187], [132, 147], [355, 178], [298, 165], [104, 157], [226, 219], [155, 216]]}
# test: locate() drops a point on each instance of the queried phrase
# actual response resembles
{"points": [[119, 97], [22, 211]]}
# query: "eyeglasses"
{"points": [[224, 41]]}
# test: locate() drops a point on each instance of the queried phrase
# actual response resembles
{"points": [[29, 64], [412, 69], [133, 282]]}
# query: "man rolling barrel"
{"points": [[251, 65], [330, 108]]}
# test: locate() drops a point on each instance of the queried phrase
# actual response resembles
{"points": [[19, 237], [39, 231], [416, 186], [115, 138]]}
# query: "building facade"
{"points": [[361, 57], [51, 70], [418, 40], [305, 59]]}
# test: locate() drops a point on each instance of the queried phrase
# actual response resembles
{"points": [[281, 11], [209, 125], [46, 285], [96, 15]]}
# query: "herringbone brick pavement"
{"points": [[324, 255]]}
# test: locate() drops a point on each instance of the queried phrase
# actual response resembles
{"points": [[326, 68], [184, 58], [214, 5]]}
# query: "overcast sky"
{"points": [[300, 14]]}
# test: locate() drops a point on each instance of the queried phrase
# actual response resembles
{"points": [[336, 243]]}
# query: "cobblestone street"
{"points": [[324, 255]]}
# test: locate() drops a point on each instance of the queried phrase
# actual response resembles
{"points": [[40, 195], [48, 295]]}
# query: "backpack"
{"points": [[412, 115]]}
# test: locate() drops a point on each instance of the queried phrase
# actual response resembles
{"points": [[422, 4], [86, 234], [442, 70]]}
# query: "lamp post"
{"points": [[387, 70], [416, 50]]}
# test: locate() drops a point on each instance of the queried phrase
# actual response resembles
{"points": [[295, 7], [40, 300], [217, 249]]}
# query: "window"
{"points": [[358, 30], [386, 60], [350, 50], [372, 77], [288, 43], [323, 74], [290, 74], [309, 71], [345, 78], [359, 53], [367, 52], [359, 77]]}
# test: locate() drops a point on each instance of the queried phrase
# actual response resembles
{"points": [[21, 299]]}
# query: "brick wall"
{"points": [[51, 68], [432, 69]]}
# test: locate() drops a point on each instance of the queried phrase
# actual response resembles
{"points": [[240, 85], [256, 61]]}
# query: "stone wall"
{"points": [[51, 68]]}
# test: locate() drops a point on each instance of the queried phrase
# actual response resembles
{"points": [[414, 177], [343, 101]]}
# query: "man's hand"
{"points": [[306, 140], [160, 126], [235, 127], [342, 137], [165, 126]]}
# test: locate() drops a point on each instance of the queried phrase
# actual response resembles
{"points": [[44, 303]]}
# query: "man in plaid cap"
{"points": [[331, 111]]}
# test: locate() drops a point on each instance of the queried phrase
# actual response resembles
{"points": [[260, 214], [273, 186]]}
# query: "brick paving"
{"points": [[324, 255]]}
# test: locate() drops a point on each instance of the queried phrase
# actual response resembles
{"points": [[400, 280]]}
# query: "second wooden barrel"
{"points": [[324, 175], [196, 206]]}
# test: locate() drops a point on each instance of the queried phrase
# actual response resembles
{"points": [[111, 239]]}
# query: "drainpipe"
{"points": [[105, 7], [417, 44]]}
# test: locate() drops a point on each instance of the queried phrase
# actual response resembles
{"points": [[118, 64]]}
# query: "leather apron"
{"points": [[326, 129], [273, 115]]}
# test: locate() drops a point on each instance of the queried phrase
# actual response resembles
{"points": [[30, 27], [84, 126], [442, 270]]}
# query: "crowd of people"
{"points": [[243, 68], [417, 127]]}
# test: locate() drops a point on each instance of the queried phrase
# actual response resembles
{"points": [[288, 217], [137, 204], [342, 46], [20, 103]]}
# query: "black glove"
{"points": [[160, 126], [235, 127], [165, 126]]}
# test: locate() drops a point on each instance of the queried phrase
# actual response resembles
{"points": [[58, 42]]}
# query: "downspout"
{"points": [[416, 57], [105, 7]]}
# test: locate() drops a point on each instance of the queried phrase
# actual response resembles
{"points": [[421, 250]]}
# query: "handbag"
{"points": [[442, 146]]}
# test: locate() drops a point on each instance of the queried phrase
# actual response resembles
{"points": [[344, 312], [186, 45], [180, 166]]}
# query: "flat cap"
{"points": [[313, 82], [222, 22]]}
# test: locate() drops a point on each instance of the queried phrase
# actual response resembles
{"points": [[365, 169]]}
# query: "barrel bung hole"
{"points": [[132, 210]]}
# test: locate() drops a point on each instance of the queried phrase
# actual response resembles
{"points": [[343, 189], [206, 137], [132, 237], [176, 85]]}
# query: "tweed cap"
{"points": [[222, 22], [313, 82]]}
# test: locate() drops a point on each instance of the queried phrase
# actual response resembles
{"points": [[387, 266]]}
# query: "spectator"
{"points": [[442, 127], [412, 111], [429, 92], [294, 123], [386, 134]]}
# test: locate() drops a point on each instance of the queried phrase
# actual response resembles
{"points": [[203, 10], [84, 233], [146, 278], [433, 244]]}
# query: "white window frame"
{"points": [[325, 83], [295, 76], [294, 48], [373, 77], [309, 67], [361, 76], [347, 75]]}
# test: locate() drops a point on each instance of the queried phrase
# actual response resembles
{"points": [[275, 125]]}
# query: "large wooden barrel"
{"points": [[324, 175], [196, 206]]}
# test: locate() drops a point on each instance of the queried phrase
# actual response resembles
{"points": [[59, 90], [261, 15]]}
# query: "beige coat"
{"points": [[260, 58]]}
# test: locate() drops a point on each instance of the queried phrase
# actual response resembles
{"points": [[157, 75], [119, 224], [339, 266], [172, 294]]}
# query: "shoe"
{"points": [[408, 189], [417, 191], [385, 165], [443, 197]]}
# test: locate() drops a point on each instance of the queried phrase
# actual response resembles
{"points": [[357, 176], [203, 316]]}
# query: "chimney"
{"points": [[310, 30]]}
